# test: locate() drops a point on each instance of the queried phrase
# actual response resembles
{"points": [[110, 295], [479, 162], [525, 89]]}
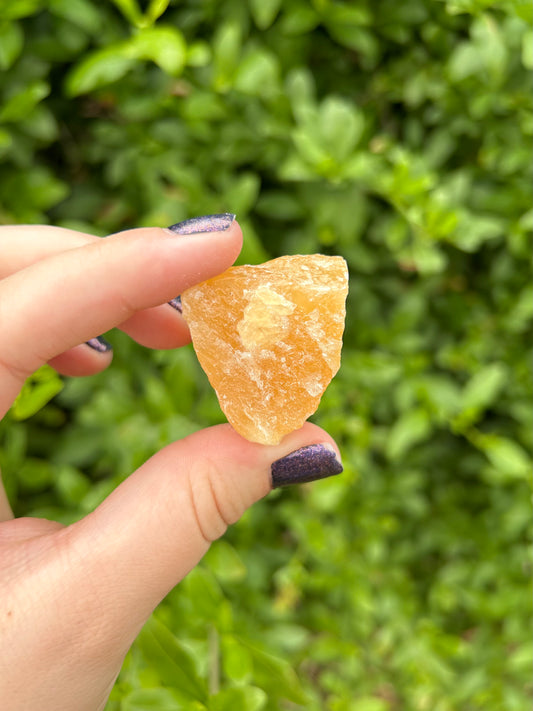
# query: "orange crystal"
{"points": [[269, 338]]}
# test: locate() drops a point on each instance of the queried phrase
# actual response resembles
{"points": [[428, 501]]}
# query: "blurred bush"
{"points": [[397, 135]]}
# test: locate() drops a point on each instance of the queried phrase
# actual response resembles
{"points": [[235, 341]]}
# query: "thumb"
{"points": [[156, 526]]}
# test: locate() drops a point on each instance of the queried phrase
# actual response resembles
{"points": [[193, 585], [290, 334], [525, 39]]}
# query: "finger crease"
{"points": [[17, 373], [194, 509], [218, 508]]}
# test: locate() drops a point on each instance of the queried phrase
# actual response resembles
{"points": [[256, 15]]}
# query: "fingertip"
{"points": [[305, 455], [84, 359], [226, 228]]}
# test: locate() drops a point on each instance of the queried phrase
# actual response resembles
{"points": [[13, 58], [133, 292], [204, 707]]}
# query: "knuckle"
{"points": [[215, 502]]}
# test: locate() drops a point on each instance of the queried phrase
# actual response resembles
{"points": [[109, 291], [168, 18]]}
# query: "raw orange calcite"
{"points": [[269, 338]]}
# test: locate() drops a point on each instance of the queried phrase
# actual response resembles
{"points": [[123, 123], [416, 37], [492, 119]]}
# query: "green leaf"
{"points": [[427, 257], [341, 127], [237, 661], [20, 104], [43, 187], [523, 9], [14, 9], [309, 148], [507, 456], [300, 88], [484, 387], [35, 475], [243, 192], [522, 657], [264, 12], [277, 675], [131, 11], [198, 54], [11, 42], [147, 699], [473, 230], [41, 124], [464, 62], [356, 38], [521, 313], [99, 69], [226, 53], [484, 57], [245, 698], [155, 9], [527, 49], [174, 665], [81, 13], [71, 485], [258, 74], [368, 703], [163, 45], [36, 392], [299, 20], [349, 15], [410, 429], [297, 169], [5, 141], [225, 562], [205, 594], [487, 33]]}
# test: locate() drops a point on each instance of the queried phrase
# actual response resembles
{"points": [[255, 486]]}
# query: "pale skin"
{"points": [[73, 598]]}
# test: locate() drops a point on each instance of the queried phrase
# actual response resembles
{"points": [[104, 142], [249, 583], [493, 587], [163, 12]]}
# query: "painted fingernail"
{"points": [[176, 303], [99, 344], [316, 461], [207, 223]]}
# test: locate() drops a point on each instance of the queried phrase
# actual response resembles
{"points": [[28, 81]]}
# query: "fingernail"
{"points": [[316, 461], [176, 303], [99, 344], [207, 223]]}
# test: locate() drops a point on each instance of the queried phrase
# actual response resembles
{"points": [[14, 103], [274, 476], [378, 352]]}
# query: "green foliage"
{"points": [[38, 390], [397, 134]]}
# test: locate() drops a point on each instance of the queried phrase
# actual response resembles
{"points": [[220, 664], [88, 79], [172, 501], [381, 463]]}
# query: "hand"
{"points": [[73, 599]]}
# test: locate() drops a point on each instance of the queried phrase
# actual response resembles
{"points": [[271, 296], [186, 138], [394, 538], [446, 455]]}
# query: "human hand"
{"points": [[73, 598]]}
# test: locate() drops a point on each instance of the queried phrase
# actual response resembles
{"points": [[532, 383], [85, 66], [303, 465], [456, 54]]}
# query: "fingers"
{"points": [[82, 360], [23, 245], [158, 327], [68, 298], [159, 523]]}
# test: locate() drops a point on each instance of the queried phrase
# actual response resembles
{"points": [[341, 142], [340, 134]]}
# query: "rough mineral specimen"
{"points": [[269, 338]]}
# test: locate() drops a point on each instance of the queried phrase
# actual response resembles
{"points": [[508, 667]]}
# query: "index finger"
{"points": [[68, 298], [23, 245]]}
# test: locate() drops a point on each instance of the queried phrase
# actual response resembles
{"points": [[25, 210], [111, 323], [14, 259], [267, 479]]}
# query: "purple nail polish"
{"points": [[176, 303], [207, 223], [316, 461], [99, 344]]}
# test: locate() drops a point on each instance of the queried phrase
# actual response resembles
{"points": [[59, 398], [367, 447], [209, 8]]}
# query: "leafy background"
{"points": [[395, 134]]}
